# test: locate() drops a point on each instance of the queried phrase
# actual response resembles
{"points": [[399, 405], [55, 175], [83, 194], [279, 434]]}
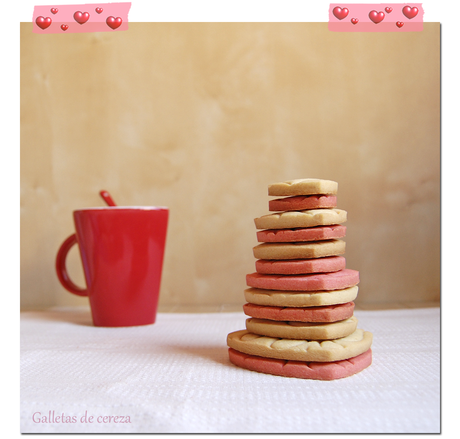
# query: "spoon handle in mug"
{"points": [[61, 268]]}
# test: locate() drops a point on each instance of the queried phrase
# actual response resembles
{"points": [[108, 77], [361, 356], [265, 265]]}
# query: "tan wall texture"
{"points": [[201, 117]]}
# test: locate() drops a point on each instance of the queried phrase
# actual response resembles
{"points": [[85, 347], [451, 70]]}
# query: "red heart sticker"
{"points": [[410, 12], [113, 22], [400, 24], [376, 17], [54, 10], [388, 9], [43, 22], [81, 17], [340, 13], [354, 20], [99, 10], [64, 27]]}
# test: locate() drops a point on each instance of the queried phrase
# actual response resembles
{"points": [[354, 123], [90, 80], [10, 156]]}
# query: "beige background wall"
{"points": [[202, 117]]}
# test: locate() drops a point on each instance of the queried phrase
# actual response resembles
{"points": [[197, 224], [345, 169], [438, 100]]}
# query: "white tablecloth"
{"points": [[175, 377]]}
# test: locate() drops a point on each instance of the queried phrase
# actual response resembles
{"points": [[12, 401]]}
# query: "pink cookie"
{"points": [[304, 282], [302, 369], [302, 202], [316, 314], [301, 266], [303, 234]]}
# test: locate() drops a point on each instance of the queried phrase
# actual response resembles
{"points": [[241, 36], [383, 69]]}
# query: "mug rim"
{"points": [[97, 208]]}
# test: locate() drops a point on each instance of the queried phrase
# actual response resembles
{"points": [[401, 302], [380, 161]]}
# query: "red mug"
{"points": [[122, 251]]}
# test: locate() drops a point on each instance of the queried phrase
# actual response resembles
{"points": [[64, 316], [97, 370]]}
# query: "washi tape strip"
{"points": [[372, 17], [95, 17]]}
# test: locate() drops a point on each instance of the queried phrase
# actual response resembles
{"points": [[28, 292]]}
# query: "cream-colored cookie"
{"points": [[304, 186], [302, 330], [301, 218], [301, 350], [300, 299], [299, 250]]}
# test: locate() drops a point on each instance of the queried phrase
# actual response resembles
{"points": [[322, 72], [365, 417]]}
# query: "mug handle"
{"points": [[61, 268]]}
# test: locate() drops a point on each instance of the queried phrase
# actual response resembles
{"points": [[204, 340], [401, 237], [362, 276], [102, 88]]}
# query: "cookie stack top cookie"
{"points": [[300, 299]]}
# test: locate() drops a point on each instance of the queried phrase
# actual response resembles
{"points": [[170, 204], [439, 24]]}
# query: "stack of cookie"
{"points": [[301, 298]]}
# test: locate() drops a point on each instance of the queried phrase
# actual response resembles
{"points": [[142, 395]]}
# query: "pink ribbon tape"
{"points": [[68, 19]]}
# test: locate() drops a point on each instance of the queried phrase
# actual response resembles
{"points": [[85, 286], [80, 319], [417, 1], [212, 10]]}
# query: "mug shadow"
{"points": [[216, 354], [82, 317], [77, 317]]}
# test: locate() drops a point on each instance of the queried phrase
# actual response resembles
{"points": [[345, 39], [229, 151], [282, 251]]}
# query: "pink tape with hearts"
{"points": [[65, 19], [375, 17]]}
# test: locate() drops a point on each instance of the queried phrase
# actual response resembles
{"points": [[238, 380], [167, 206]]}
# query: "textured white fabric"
{"points": [[175, 377]]}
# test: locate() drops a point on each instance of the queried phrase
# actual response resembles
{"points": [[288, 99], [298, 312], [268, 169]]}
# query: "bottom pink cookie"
{"points": [[300, 266], [315, 314], [301, 369]]}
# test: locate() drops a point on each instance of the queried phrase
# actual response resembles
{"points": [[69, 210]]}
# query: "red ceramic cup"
{"points": [[122, 252]]}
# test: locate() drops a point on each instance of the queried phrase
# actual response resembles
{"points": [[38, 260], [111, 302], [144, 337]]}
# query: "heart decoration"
{"points": [[99, 10], [340, 13], [400, 24], [376, 17], [64, 27], [43, 22], [54, 10], [81, 17], [113, 22], [388, 9], [354, 20], [410, 12]]}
